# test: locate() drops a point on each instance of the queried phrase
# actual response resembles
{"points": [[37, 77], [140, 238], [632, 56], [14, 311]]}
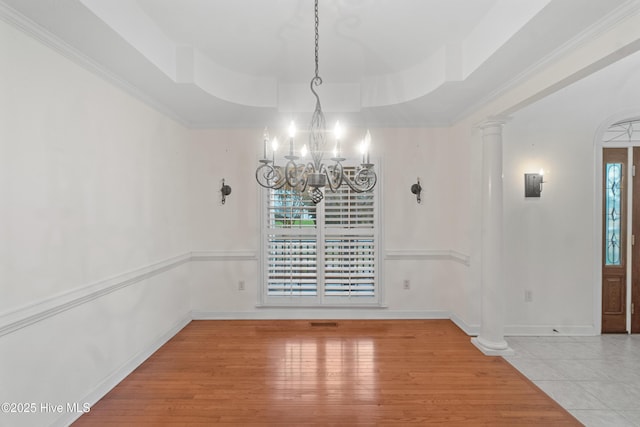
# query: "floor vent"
{"points": [[324, 324]]}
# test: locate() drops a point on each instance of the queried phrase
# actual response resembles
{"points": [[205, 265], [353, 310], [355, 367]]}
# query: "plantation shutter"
{"points": [[349, 243], [323, 253], [291, 244]]}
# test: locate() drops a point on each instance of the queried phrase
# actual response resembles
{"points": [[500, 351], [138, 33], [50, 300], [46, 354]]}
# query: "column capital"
{"points": [[492, 122]]}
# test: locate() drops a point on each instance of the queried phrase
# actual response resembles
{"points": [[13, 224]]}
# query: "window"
{"points": [[320, 254], [613, 210]]}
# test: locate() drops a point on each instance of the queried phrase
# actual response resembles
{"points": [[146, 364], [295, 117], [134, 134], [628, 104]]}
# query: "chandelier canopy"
{"points": [[314, 175]]}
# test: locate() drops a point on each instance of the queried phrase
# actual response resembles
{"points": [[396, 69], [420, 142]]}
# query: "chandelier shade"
{"points": [[301, 175]]}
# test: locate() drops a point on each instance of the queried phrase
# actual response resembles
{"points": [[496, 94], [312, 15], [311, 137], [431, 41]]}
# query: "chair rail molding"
{"points": [[37, 32], [240, 255], [428, 255], [35, 312]]}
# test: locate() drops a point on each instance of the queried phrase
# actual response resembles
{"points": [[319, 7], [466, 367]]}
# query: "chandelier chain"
{"points": [[317, 22], [318, 125]]}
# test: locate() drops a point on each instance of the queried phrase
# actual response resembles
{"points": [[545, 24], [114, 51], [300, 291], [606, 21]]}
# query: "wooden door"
{"points": [[614, 263], [635, 249]]}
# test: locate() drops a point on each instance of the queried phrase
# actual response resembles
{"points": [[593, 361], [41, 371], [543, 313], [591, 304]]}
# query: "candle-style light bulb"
{"points": [[274, 148], [367, 144], [292, 134], [338, 130], [338, 133], [303, 151], [265, 138]]}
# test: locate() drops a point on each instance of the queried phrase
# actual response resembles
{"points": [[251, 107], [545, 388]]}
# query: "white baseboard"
{"points": [[550, 330], [471, 330], [40, 310], [320, 313], [11, 322], [376, 313], [267, 314], [112, 380]]}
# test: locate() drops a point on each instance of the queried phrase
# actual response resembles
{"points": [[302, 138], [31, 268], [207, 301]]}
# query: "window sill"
{"points": [[323, 306]]}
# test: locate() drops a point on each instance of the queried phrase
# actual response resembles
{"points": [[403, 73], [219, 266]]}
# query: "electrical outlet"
{"points": [[406, 285], [528, 295], [241, 285]]}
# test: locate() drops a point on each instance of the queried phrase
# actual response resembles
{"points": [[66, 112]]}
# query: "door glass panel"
{"points": [[613, 208]]}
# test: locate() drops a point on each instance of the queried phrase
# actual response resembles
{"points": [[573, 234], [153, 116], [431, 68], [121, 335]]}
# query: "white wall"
{"points": [[94, 229], [465, 168], [550, 242], [418, 236], [113, 229], [226, 231], [420, 231]]}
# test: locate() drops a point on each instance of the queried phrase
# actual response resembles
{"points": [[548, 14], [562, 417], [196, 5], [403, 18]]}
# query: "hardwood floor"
{"points": [[345, 372]]}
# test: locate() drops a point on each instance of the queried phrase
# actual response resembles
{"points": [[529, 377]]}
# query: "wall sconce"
{"points": [[533, 184], [225, 190], [417, 189]]}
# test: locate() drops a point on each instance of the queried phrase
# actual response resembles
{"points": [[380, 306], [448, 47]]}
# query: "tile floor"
{"points": [[597, 379]]}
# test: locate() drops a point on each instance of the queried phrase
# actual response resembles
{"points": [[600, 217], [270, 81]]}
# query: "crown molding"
{"points": [[629, 8], [39, 33]]}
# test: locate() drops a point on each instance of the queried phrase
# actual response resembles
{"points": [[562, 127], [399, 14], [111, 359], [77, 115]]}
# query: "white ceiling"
{"points": [[231, 63]]}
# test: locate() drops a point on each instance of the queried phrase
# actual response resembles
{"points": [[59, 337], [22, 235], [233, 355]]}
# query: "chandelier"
{"points": [[314, 175]]}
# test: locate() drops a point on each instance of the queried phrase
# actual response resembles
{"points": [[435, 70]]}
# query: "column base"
{"points": [[489, 348]]}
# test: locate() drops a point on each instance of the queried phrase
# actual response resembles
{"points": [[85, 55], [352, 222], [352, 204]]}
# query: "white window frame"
{"points": [[320, 232]]}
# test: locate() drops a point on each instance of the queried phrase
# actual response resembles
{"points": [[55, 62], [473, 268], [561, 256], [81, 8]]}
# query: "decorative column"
{"points": [[491, 338]]}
